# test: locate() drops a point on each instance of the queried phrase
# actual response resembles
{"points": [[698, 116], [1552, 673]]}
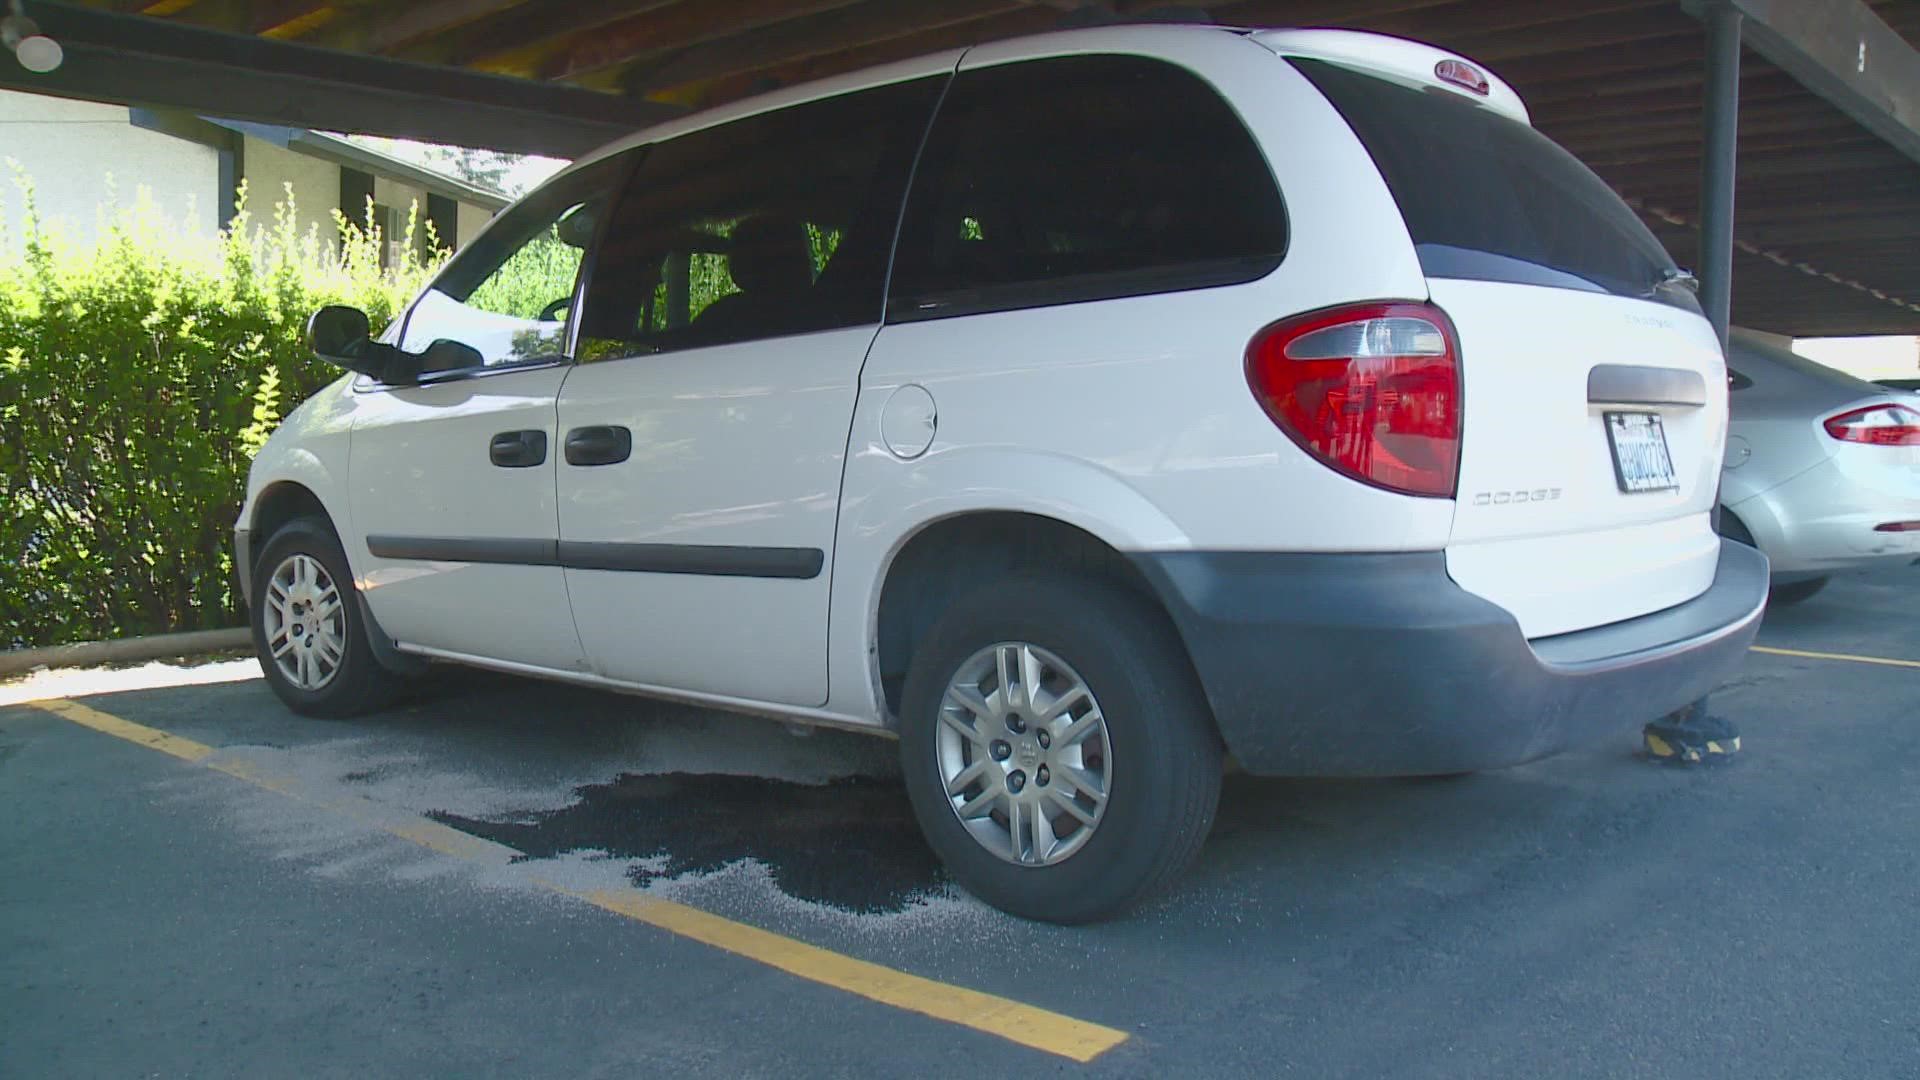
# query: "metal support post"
{"points": [[1693, 735], [1722, 127]]}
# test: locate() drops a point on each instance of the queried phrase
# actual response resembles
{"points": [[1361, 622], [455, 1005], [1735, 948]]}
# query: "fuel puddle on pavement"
{"points": [[850, 844]]}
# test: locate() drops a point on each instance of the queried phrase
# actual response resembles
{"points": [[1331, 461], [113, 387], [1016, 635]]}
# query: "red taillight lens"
{"points": [[1877, 425], [1371, 389]]}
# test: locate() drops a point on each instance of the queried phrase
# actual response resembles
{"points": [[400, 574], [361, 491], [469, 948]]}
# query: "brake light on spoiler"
{"points": [[1464, 75], [1408, 63]]}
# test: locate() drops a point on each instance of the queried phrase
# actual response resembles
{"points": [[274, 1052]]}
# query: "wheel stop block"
{"points": [[1691, 738]]}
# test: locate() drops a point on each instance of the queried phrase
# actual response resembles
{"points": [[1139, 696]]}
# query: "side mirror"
{"points": [[341, 335]]}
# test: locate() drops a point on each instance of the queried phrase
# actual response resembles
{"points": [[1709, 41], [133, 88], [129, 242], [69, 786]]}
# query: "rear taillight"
{"points": [[1371, 389], [1877, 425]]}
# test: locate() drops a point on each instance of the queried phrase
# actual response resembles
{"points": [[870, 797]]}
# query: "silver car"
{"points": [[1822, 470]]}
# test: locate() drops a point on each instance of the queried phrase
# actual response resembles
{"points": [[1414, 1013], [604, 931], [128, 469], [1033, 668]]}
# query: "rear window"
{"points": [[1491, 199]]}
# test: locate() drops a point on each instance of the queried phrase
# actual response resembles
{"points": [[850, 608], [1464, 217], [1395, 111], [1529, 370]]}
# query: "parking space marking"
{"points": [[151, 738], [1027, 1025], [1846, 657], [1011, 1020]]}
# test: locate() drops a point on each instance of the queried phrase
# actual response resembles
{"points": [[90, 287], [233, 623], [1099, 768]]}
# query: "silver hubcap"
{"points": [[306, 624], [1024, 754]]}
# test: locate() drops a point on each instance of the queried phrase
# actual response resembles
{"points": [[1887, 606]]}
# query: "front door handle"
{"points": [[600, 445], [518, 449]]}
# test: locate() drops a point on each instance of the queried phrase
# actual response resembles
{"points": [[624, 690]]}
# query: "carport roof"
{"points": [[1828, 225]]}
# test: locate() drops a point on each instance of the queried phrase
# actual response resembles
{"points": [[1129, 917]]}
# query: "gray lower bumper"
{"points": [[1379, 665]]}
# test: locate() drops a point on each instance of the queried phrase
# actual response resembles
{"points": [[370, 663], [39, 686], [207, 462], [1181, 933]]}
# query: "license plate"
{"points": [[1641, 461]]}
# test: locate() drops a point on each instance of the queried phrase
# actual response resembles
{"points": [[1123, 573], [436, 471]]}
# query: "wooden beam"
{"points": [[1625, 31], [1030, 20], [1845, 53], [531, 27], [1674, 101], [1760, 155], [679, 26], [137, 60], [861, 24], [1848, 231], [287, 20], [1683, 78], [1317, 12], [1770, 197], [1485, 19], [391, 28]]}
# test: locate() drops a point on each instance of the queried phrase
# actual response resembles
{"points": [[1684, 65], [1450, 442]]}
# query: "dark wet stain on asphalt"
{"points": [[852, 844]]}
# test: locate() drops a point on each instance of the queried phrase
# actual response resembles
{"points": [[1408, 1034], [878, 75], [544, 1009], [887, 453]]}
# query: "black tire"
{"points": [[359, 684], [1166, 755], [1796, 592]]}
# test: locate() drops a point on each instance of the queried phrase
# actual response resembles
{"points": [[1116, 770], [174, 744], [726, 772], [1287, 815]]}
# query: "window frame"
{"points": [[620, 165], [890, 226], [1090, 287]]}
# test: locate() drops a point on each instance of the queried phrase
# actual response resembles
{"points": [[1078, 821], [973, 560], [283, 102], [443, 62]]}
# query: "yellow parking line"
{"points": [[1027, 1025], [152, 738], [1847, 657]]}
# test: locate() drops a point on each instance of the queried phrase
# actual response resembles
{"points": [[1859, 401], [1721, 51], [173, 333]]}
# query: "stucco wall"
{"points": [[404, 198], [472, 220], [69, 148], [316, 186]]}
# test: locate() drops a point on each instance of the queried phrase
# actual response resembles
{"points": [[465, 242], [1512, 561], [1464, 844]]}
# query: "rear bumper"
{"points": [[1379, 665]]}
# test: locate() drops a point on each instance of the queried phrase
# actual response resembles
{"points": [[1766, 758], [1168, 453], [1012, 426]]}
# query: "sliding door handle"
{"points": [[518, 449], [601, 445]]}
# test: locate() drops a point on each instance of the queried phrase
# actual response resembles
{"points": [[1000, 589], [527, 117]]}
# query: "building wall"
{"points": [[472, 220], [404, 199], [69, 148], [316, 186]]}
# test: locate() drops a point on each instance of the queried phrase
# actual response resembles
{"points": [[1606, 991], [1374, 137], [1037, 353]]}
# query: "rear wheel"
{"points": [[307, 626], [1057, 748], [1795, 592]]}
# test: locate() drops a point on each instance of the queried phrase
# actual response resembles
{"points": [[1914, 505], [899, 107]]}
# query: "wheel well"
{"points": [[935, 562], [1732, 527], [279, 504]]}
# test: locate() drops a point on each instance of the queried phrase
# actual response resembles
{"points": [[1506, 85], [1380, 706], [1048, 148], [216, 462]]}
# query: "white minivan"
{"points": [[1078, 409]]}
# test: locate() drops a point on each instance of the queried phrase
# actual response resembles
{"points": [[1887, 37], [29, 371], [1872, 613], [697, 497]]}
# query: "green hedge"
{"points": [[137, 378]]}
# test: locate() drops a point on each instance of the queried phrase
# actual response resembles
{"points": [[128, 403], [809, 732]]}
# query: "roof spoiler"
{"points": [[1409, 63]]}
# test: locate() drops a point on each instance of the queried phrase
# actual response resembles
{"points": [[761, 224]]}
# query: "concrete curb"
{"points": [[123, 650]]}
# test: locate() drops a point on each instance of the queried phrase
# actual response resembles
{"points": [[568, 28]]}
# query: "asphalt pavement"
{"points": [[287, 904]]}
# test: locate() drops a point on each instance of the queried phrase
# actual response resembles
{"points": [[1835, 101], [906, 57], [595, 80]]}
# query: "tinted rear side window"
{"points": [[771, 225], [1490, 198], [1082, 178]]}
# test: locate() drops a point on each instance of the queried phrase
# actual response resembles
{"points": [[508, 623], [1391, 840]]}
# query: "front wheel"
{"points": [[1057, 748], [307, 627]]}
